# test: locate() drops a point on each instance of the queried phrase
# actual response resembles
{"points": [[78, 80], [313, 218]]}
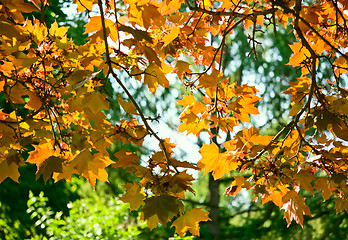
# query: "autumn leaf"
{"points": [[125, 159], [210, 80], [154, 76], [34, 102], [127, 106], [95, 102], [137, 34], [168, 38], [49, 166], [41, 153], [134, 196], [92, 167], [295, 207], [182, 67], [305, 179], [8, 170], [189, 221], [164, 206], [9, 166], [214, 161]]}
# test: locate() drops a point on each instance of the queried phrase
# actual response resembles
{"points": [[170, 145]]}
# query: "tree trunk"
{"points": [[214, 199]]}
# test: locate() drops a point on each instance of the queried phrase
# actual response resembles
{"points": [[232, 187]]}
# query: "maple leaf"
{"points": [[152, 222], [49, 166], [137, 34], [127, 106], [95, 102], [164, 206], [341, 204], [323, 185], [34, 102], [295, 207], [134, 196], [182, 67], [125, 159], [189, 221], [154, 76], [168, 38], [210, 80], [92, 167], [9, 166], [305, 179], [41, 153], [8, 170], [214, 161]]}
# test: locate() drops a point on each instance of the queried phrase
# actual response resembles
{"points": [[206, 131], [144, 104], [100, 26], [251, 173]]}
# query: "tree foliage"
{"points": [[54, 99]]}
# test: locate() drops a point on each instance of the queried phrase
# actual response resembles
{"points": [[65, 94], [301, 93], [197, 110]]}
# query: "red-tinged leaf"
{"points": [[189, 221], [231, 191], [295, 207], [134, 196], [3, 115]]}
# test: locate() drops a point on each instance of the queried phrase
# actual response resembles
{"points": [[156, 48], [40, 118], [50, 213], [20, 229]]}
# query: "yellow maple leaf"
{"points": [[174, 32], [154, 76], [214, 161], [210, 80], [41, 153], [95, 101], [8, 170], [189, 221], [134, 195], [92, 167], [125, 159]]}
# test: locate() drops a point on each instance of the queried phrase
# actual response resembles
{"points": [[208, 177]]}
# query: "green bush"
{"points": [[90, 218]]}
